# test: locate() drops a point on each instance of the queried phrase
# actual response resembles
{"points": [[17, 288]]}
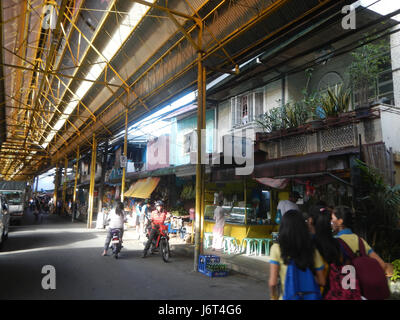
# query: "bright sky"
{"points": [[382, 7]]}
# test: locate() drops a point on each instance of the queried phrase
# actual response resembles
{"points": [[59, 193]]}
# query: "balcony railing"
{"points": [[327, 135]]}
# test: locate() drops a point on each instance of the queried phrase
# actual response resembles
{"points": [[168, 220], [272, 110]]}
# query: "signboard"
{"points": [[123, 160]]}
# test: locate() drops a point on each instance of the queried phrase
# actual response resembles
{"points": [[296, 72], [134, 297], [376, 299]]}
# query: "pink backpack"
{"points": [[336, 290]]}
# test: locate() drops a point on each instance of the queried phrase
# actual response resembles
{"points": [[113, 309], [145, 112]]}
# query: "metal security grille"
{"points": [[338, 137], [293, 145]]}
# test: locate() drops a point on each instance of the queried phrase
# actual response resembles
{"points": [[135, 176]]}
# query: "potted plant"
{"points": [[335, 103], [329, 107], [271, 121], [289, 117], [394, 283], [341, 95], [295, 115], [365, 68], [310, 103]]}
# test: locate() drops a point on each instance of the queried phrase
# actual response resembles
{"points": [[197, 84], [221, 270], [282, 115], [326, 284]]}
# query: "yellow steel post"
{"points": [[64, 195], [92, 182], [125, 154], [203, 171], [75, 183], [199, 168]]}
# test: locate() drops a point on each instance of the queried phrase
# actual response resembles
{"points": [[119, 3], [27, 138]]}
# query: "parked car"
{"points": [[4, 219], [16, 205]]}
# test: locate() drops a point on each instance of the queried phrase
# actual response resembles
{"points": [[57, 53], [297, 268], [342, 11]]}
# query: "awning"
{"points": [[274, 183], [307, 164], [143, 188], [284, 168]]}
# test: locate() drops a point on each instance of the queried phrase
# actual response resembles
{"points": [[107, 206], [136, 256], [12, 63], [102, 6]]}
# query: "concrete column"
{"points": [[395, 54]]}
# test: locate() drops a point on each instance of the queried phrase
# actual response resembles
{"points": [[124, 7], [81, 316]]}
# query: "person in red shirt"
{"points": [[157, 218]]}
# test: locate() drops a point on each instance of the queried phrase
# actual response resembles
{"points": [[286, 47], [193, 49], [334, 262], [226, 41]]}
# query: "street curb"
{"points": [[253, 271]]}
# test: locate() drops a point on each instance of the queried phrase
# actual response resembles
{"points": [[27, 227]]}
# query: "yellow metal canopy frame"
{"points": [[142, 188]]}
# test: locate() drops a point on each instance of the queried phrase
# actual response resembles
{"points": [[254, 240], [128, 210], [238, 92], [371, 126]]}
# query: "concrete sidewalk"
{"points": [[252, 266]]}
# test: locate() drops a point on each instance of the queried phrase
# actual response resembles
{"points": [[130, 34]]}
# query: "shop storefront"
{"points": [[251, 215], [319, 178]]}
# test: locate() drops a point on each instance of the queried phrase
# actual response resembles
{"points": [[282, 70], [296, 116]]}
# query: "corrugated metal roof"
{"points": [[158, 62]]}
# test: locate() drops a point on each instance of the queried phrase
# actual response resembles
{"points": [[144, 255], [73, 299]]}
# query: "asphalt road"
{"points": [[82, 273]]}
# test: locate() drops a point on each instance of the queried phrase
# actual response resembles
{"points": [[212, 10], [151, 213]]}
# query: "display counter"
{"points": [[240, 222]]}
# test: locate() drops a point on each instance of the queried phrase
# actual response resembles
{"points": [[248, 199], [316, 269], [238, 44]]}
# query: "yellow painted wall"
{"points": [[283, 195], [262, 231], [241, 231]]}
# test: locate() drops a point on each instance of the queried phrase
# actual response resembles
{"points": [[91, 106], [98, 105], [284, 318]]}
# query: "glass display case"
{"points": [[236, 216]]}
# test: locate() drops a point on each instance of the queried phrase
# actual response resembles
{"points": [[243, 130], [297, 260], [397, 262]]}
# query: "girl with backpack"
{"points": [[369, 268], [319, 222], [342, 224], [295, 261], [320, 226]]}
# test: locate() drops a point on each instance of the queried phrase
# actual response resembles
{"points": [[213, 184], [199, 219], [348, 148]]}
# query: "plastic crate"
{"points": [[213, 274], [206, 259]]}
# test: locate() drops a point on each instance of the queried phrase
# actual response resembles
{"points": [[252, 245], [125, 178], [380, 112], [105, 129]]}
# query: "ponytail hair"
{"points": [[119, 210], [346, 214]]}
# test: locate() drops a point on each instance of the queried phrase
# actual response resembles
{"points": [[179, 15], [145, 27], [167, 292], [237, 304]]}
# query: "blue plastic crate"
{"points": [[206, 259], [213, 274]]}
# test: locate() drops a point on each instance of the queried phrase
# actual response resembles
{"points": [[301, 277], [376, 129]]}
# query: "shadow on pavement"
{"points": [[35, 240]]}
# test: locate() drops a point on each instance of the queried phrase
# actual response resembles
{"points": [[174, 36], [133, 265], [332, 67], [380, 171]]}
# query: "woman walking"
{"points": [[369, 268], [319, 223], [294, 246]]}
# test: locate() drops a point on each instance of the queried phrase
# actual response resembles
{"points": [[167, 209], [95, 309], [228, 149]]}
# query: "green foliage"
{"points": [[311, 102], [367, 61], [295, 114], [366, 65], [188, 192], [291, 115], [335, 101], [179, 211], [396, 270], [385, 197], [271, 120], [381, 205]]}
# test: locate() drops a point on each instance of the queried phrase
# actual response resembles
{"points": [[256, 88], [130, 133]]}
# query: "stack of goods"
{"points": [[210, 266]]}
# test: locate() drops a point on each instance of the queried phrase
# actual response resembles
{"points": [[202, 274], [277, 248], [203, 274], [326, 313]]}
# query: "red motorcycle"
{"points": [[161, 242]]}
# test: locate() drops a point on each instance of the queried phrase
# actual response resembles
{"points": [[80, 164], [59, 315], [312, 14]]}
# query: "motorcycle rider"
{"points": [[116, 219], [157, 217]]}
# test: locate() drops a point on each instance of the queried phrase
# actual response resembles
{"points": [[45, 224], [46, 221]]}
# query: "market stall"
{"points": [[252, 213]]}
